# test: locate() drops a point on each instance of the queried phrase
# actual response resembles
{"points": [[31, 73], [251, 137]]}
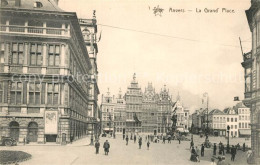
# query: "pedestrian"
{"points": [[148, 145], [244, 147], [24, 140], [140, 143], [233, 153], [215, 149], [97, 145], [134, 138], [191, 144], [169, 139], [131, 138], [213, 162], [123, 136], [202, 150], [163, 140], [106, 147], [126, 139], [223, 149], [197, 150]]}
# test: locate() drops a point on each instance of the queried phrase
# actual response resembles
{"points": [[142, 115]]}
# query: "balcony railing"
{"points": [[34, 30]]}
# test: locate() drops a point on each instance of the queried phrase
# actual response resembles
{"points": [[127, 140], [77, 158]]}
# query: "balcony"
{"points": [[35, 30]]}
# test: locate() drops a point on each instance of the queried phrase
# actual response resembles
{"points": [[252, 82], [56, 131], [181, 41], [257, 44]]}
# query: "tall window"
{"points": [[2, 52], [1, 92], [16, 93], [53, 93], [36, 54], [34, 93], [17, 53], [54, 55]]}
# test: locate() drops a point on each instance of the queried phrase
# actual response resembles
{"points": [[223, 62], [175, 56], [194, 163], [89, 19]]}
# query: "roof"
{"points": [[229, 111], [240, 105], [47, 5], [216, 112]]}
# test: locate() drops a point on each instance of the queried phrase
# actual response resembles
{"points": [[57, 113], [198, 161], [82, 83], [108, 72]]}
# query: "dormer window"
{"points": [[38, 4]]}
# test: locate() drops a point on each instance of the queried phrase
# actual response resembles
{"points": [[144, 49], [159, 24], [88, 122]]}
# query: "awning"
{"points": [[245, 132], [107, 129]]}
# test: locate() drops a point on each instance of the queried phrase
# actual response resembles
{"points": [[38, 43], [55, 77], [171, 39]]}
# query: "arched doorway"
{"points": [[14, 130], [32, 132]]}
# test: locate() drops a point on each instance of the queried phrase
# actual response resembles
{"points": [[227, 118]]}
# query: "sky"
{"points": [[190, 52]]}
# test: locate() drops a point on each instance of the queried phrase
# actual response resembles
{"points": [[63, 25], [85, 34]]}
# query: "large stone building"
{"points": [[133, 98], [107, 109], [164, 111], [243, 112], [217, 122], [42, 52], [89, 31], [251, 65], [149, 107], [120, 114], [183, 115]]}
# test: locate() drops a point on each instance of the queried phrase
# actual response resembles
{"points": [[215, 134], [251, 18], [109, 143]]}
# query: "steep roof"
{"points": [[216, 112], [46, 5]]}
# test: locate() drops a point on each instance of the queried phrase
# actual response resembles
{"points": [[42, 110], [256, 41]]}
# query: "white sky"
{"points": [[189, 67]]}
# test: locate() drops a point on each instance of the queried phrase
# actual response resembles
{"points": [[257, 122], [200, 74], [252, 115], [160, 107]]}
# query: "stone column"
{"points": [[7, 57], [44, 58], [25, 61], [62, 59]]}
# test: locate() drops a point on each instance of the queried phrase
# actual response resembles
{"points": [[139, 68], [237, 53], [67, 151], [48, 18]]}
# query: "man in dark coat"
{"points": [[202, 150], [163, 139], [140, 143], [191, 144], [134, 138], [123, 136], [214, 149], [148, 145], [223, 149], [106, 147], [97, 145], [244, 147], [233, 153], [126, 139], [179, 140]]}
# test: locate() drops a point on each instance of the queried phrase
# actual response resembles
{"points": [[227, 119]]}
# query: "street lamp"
{"points": [[228, 128]]}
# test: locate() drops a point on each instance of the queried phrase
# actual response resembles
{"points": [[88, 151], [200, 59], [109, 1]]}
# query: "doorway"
{"points": [[32, 132], [14, 130]]}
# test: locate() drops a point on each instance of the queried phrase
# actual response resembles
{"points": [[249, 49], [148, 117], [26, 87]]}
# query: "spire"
{"points": [[134, 76], [108, 93], [178, 97]]}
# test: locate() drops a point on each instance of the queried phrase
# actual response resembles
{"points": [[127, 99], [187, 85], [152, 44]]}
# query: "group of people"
{"points": [[140, 140], [195, 152], [106, 147]]}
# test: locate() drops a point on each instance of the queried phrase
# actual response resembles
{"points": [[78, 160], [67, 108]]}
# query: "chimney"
{"points": [[56, 2]]}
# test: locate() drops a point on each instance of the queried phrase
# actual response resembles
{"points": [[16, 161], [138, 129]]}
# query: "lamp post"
{"points": [[228, 128]]}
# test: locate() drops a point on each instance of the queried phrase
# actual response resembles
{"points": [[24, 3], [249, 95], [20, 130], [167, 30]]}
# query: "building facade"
{"points": [[182, 115], [133, 98], [165, 104], [231, 121], [107, 109], [149, 107], [243, 112], [251, 66], [120, 114], [42, 50], [89, 32], [217, 122]]}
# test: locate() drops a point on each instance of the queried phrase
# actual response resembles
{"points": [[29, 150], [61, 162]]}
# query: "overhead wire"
{"points": [[169, 36]]}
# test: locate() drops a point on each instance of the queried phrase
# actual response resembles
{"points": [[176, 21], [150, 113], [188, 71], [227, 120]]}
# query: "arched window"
{"points": [[14, 130]]}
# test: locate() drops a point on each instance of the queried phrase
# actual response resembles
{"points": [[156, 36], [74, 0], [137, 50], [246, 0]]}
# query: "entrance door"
{"points": [[32, 132], [14, 130], [51, 138], [63, 137]]}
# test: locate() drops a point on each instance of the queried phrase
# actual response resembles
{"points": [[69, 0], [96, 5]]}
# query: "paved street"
{"points": [[80, 153]]}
